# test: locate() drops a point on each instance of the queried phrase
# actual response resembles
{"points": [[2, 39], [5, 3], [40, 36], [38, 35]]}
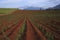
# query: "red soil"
{"points": [[49, 29], [39, 33], [13, 31], [30, 34], [18, 26]]}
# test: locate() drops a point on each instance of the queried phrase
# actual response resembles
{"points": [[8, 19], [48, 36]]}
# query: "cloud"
{"points": [[25, 3], [10, 1]]}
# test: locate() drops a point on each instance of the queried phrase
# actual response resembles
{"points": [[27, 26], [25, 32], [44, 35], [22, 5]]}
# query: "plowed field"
{"points": [[30, 25]]}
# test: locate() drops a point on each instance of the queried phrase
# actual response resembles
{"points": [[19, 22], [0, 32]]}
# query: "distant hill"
{"points": [[56, 7], [33, 8]]}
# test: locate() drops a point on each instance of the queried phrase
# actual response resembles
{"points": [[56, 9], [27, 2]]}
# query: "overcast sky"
{"points": [[26, 3]]}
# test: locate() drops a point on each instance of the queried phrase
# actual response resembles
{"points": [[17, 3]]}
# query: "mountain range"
{"points": [[55, 7], [40, 8], [33, 8]]}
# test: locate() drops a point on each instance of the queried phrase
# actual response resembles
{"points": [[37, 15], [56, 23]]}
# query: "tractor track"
{"points": [[32, 32]]}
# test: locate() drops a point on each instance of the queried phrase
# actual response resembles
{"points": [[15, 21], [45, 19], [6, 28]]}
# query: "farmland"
{"points": [[30, 25]]}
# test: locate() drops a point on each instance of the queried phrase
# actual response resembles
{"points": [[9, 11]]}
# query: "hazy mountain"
{"points": [[56, 7], [33, 8]]}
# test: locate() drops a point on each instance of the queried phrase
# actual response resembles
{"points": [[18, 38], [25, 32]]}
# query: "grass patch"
{"points": [[7, 10]]}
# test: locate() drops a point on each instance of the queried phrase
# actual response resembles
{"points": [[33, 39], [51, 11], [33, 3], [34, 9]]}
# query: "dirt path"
{"points": [[32, 33], [3, 14]]}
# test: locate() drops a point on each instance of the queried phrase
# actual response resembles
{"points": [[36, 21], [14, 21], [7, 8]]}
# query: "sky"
{"points": [[28, 3]]}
